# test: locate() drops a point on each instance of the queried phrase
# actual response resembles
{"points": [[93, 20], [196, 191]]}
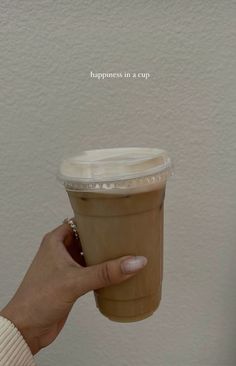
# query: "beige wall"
{"points": [[50, 107]]}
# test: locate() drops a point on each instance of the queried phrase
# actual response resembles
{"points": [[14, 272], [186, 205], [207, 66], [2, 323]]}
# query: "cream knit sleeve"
{"points": [[14, 351]]}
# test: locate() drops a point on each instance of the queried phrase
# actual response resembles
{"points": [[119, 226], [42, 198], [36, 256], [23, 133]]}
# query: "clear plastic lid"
{"points": [[117, 170]]}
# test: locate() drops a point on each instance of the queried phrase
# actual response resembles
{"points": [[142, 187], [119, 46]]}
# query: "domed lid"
{"points": [[116, 169]]}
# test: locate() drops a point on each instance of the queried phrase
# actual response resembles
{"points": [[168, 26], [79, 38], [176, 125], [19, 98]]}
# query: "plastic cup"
{"points": [[117, 196]]}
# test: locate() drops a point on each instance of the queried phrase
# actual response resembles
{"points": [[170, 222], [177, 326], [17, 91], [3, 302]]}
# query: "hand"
{"points": [[54, 281]]}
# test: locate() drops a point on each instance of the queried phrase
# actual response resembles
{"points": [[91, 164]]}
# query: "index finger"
{"points": [[63, 232], [65, 235]]}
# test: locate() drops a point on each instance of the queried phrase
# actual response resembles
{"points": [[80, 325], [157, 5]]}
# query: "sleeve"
{"points": [[14, 351]]}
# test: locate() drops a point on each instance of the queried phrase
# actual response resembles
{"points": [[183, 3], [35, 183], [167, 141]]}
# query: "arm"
{"points": [[56, 278]]}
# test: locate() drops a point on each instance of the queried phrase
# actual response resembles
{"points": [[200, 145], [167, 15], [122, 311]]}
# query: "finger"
{"points": [[64, 234], [108, 273], [75, 250]]}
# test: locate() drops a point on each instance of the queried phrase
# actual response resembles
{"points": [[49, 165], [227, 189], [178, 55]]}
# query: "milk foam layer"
{"points": [[115, 170]]}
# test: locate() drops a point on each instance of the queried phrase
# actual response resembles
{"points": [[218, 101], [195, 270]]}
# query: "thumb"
{"points": [[110, 272]]}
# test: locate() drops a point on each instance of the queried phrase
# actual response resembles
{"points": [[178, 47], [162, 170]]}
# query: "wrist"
{"points": [[16, 316]]}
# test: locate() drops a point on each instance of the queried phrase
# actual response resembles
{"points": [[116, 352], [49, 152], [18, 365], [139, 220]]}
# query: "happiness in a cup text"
{"points": [[119, 75]]}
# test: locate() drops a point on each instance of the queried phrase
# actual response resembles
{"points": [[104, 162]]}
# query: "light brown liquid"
{"points": [[112, 226]]}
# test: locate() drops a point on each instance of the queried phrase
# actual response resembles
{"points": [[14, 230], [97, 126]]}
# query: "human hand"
{"points": [[56, 278]]}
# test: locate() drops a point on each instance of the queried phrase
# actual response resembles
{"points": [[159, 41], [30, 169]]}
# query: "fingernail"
{"points": [[133, 264]]}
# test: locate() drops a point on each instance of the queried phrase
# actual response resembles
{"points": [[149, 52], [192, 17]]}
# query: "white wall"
{"points": [[49, 107]]}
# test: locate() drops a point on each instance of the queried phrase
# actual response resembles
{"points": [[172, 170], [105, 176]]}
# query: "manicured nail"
{"points": [[133, 264]]}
